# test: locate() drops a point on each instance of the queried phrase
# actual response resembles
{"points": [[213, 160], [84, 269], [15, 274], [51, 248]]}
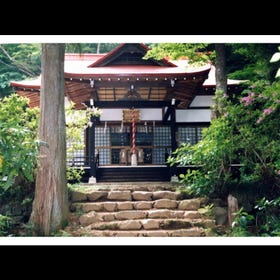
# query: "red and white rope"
{"points": [[133, 132]]}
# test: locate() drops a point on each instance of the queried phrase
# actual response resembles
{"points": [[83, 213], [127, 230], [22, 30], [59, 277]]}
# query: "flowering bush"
{"points": [[247, 132]]}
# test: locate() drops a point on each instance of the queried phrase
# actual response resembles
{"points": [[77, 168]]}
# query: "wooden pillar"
{"points": [[91, 150], [173, 129]]}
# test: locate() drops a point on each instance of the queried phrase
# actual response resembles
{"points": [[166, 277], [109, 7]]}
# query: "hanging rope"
{"points": [[133, 132]]}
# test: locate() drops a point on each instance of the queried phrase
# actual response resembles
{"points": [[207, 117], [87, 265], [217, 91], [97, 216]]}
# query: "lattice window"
{"points": [[162, 144], [107, 142], [104, 156], [199, 133], [162, 136], [190, 135], [159, 156], [102, 136]]}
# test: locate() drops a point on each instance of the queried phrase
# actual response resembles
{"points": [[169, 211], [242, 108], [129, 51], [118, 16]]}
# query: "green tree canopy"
{"points": [[18, 62], [194, 52], [23, 61], [243, 60], [90, 47], [251, 61]]}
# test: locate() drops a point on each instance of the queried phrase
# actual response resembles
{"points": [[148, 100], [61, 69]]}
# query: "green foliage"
{"points": [[23, 61], [246, 133], [18, 155], [194, 52], [90, 47], [251, 61], [243, 61], [207, 211], [18, 62], [5, 225], [268, 216], [74, 173], [18, 145], [276, 58], [241, 224], [18, 139], [77, 121]]}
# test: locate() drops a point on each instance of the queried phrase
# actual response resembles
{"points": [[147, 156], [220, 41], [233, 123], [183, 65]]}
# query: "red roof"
{"points": [[29, 84], [82, 65], [128, 70]]}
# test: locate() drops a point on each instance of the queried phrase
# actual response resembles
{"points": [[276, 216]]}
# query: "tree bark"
{"points": [[221, 78], [50, 205]]}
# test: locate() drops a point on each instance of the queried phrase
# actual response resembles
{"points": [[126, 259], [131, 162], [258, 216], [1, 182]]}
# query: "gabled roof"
{"points": [[129, 53]]}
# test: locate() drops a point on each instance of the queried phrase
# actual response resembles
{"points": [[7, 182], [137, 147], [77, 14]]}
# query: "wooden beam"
{"points": [[130, 104], [123, 82]]}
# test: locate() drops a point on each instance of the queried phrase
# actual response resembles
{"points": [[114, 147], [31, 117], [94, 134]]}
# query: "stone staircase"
{"points": [[136, 210]]}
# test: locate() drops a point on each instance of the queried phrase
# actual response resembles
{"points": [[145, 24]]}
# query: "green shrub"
{"points": [[245, 133], [5, 225], [268, 216], [241, 225], [18, 144]]}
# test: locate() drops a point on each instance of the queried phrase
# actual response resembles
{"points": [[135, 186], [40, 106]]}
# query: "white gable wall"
{"points": [[202, 101], [193, 115], [146, 114], [199, 112]]}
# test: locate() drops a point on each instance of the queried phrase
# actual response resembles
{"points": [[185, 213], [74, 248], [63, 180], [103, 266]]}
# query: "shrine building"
{"points": [[149, 107]]}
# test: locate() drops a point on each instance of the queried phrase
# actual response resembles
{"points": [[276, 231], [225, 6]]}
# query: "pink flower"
{"points": [[268, 111], [247, 100]]}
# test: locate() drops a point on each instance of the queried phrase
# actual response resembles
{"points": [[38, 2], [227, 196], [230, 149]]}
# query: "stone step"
{"points": [[189, 232], [92, 217], [137, 210], [123, 195], [151, 224], [114, 206], [138, 186]]}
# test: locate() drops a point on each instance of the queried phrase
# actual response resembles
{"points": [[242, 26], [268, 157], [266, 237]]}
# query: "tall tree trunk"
{"points": [[50, 205], [221, 78]]}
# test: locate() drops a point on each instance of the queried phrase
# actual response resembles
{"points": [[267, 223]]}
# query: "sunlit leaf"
{"points": [[275, 57]]}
